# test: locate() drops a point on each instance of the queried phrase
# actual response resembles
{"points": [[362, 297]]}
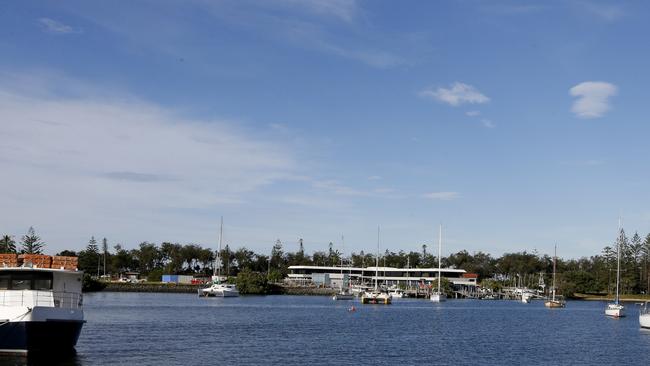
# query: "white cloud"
{"points": [[487, 123], [341, 9], [593, 98], [53, 26], [443, 196], [458, 94], [472, 113], [87, 165], [336, 187], [609, 12]]}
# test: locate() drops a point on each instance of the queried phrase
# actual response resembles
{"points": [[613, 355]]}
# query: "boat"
{"points": [[555, 301], [218, 289], [343, 294], [438, 295], [644, 316], [376, 296], [221, 290], [526, 297], [41, 307], [396, 293], [616, 309]]}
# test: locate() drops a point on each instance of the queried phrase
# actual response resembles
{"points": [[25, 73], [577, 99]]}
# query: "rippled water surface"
{"points": [[181, 329]]}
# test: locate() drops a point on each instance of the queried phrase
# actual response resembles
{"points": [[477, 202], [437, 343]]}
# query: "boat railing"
{"points": [[32, 298]]}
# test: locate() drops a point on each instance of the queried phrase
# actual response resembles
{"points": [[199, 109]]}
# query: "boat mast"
{"points": [[342, 244], [439, 255], [554, 260], [377, 262], [218, 259], [618, 259]]}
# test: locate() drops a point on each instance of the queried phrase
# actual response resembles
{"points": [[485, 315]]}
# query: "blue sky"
{"points": [[515, 124]]}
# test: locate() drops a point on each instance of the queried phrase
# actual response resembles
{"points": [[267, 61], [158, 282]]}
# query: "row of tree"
{"points": [[595, 274], [30, 243]]}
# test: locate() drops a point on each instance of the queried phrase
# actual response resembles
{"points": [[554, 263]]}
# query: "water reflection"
{"points": [[65, 359]]}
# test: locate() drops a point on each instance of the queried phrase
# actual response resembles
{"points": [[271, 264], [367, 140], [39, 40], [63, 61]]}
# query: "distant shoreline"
{"points": [[193, 289]]}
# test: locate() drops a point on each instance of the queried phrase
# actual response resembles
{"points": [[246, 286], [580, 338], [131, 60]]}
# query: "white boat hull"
{"points": [[343, 297], [437, 297], [220, 291], [644, 321], [615, 310], [376, 298]]}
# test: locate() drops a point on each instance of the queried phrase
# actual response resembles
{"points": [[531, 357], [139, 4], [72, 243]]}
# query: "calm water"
{"points": [[181, 329]]}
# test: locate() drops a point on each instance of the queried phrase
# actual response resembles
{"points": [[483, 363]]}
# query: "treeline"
{"points": [[595, 274]]}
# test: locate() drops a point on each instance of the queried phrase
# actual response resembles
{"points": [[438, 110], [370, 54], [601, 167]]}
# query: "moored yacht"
{"points": [[218, 289], [396, 293], [376, 296], [438, 295], [616, 309], [555, 301], [40, 307]]}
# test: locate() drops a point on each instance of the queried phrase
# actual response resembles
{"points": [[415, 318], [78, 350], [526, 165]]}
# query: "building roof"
{"points": [[380, 269]]}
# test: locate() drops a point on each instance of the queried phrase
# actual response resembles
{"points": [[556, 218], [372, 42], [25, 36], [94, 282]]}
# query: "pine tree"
{"points": [[7, 244], [31, 242]]}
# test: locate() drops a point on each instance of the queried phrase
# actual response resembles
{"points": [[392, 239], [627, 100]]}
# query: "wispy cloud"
{"points": [[136, 177], [593, 98], [126, 166], [487, 123], [472, 113], [443, 196], [336, 187], [345, 10], [589, 162], [510, 9], [56, 27], [457, 94], [374, 58], [374, 177], [607, 11]]}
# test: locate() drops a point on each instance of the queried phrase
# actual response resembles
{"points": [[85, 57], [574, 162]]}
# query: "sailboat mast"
{"points": [[342, 262], [618, 259], [377, 262], [439, 254], [554, 260], [219, 252]]}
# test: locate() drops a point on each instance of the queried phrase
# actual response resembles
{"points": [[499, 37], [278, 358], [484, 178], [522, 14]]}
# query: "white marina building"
{"points": [[388, 276]]}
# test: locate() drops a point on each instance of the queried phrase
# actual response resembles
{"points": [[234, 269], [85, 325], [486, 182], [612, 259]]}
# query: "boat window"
{"points": [[23, 280], [21, 284], [42, 284]]}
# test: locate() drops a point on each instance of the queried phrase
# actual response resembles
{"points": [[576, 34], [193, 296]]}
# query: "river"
{"points": [[182, 329]]}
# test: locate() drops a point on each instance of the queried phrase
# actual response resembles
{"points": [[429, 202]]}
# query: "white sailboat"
{"points": [[217, 288], [616, 309], [344, 293], [438, 295], [376, 296], [553, 302]]}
